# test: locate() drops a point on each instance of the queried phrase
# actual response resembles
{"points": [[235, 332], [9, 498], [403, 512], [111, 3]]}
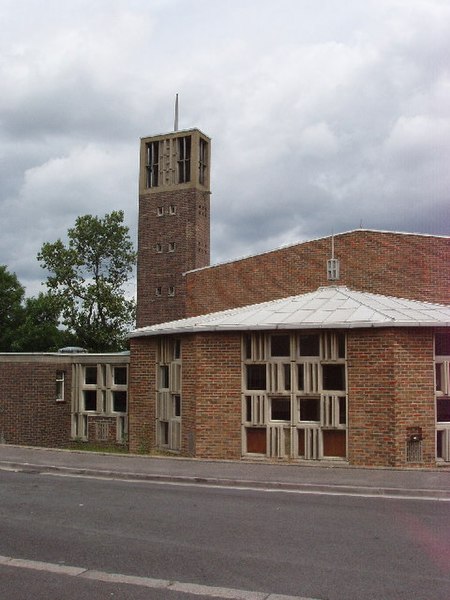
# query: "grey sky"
{"points": [[324, 115]]}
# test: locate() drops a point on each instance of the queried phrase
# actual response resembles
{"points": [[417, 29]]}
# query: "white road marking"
{"points": [[148, 582], [380, 494]]}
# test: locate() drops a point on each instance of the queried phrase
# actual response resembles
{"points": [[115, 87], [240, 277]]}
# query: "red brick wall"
{"points": [[390, 388], [215, 378], [404, 265], [189, 229], [29, 413], [141, 395]]}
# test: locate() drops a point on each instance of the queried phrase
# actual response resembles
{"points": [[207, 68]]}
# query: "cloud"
{"points": [[322, 116]]}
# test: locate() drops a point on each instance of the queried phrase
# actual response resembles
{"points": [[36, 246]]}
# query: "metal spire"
{"points": [[175, 123]]}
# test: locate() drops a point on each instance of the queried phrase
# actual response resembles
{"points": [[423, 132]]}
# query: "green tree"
{"points": [[88, 277], [39, 328], [11, 309]]}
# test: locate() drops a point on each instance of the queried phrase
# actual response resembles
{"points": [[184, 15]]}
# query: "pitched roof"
{"points": [[328, 307]]}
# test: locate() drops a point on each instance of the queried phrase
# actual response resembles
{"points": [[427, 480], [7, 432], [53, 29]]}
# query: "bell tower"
{"points": [[174, 221]]}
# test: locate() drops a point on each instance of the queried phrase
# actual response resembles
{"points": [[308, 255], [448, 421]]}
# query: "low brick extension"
{"points": [[29, 412]]}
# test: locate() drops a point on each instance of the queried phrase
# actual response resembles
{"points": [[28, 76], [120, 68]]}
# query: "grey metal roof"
{"points": [[328, 307]]}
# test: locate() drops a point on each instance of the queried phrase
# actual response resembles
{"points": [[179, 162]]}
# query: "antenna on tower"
{"points": [[175, 122]]}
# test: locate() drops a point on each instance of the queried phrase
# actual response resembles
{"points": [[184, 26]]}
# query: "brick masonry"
{"points": [[393, 264], [390, 389], [29, 412], [188, 229]]}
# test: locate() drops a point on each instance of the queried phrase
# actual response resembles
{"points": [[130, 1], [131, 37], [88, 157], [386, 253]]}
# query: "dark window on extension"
{"points": [[120, 375], [90, 375], [119, 401], [90, 399]]}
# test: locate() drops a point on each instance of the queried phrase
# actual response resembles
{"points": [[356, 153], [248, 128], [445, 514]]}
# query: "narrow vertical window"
{"points": [[202, 161], [59, 386], [184, 159], [152, 164]]}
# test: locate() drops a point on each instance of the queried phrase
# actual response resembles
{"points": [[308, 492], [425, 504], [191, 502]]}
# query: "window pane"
{"points": [[443, 410], [280, 409], [256, 377], [120, 375], [177, 405], [438, 368], [301, 377], [333, 377], [309, 344], [119, 401], [164, 431], [310, 409], [90, 399], [256, 440], [164, 376], [280, 345], [176, 349], [439, 444], [334, 443], [90, 375], [248, 408]]}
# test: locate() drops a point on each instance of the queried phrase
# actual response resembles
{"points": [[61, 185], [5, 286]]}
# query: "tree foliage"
{"points": [[11, 310], [87, 277], [39, 327]]}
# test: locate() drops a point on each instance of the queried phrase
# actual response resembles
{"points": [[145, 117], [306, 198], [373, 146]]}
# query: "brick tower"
{"points": [[174, 221]]}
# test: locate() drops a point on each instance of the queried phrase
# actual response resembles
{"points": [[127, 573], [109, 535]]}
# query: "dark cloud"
{"points": [[323, 117]]}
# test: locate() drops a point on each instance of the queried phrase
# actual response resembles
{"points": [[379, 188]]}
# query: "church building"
{"points": [[335, 350]]}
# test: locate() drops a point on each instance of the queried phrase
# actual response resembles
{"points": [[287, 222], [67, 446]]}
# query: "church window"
{"points": [[152, 164], [184, 159], [294, 395], [203, 161]]}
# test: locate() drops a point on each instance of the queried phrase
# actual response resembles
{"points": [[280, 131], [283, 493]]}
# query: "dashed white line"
{"points": [[148, 582]]}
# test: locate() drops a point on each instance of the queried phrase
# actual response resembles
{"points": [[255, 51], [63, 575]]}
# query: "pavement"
{"points": [[327, 479]]}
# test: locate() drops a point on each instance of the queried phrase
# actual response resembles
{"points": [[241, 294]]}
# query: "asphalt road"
{"points": [[272, 542]]}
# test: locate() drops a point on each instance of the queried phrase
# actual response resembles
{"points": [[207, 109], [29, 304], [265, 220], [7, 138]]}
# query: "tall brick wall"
{"points": [[390, 388], [141, 389], [188, 229], [393, 264], [216, 378], [29, 412]]}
